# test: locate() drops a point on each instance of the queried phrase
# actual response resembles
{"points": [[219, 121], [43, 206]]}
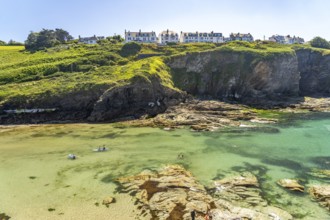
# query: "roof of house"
{"points": [[141, 34], [201, 34], [90, 38], [240, 35], [168, 33]]}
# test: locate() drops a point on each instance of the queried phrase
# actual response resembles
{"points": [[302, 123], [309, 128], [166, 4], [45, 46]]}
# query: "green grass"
{"points": [[66, 69], [59, 84]]}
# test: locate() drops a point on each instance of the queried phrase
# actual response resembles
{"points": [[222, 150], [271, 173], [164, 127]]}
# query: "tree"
{"points": [[320, 43], [46, 38], [2, 43], [31, 41], [14, 43], [62, 35], [115, 39]]}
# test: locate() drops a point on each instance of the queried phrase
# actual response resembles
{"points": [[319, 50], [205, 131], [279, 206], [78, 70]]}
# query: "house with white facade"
{"points": [[240, 37], [277, 38], [168, 37], [294, 40], [90, 40], [196, 37], [286, 39], [140, 37]]}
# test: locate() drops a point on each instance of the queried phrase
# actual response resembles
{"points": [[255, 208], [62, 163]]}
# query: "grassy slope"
{"points": [[68, 68]]}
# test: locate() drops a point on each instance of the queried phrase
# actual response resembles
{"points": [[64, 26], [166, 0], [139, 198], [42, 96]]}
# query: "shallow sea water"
{"points": [[37, 181]]}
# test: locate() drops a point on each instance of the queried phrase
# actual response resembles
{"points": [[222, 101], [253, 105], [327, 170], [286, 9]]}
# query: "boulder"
{"points": [[107, 201], [291, 184], [320, 173], [321, 193], [245, 179]]}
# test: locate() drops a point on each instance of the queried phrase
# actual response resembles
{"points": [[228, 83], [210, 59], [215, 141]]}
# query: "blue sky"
{"points": [[305, 18]]}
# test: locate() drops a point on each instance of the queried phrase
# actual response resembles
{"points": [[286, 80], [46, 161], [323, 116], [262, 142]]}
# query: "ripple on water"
{"points": [[269, 155]]}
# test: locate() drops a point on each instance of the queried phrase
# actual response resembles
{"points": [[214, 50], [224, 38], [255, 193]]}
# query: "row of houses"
{"points": [[168, 36], [185, 37], [286, 39]]}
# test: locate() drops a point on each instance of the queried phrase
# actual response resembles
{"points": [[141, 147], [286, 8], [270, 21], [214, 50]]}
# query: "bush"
{"points": [[130, 49], [320, 43]]}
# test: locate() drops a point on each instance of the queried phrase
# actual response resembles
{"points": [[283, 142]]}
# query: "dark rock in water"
{"points": [[323, 174], [3, 216], [290, 164], [322, 162]]}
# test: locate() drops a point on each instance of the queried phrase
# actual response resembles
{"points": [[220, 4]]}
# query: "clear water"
{"points": [[36, 177]]}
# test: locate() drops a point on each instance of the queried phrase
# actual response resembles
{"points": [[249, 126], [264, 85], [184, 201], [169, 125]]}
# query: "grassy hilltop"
{"points": [[59, 71]]}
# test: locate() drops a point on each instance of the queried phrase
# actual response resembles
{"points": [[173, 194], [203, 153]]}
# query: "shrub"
{"points": [[130, 49], [320, 43]]}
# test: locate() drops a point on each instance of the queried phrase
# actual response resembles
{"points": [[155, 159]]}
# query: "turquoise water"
{"points": [[39, 182]]}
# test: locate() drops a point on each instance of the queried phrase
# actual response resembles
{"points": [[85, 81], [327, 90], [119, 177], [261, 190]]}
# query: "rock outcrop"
{"points": [[141, 97], [236, 75], [321, 193], [172, 193], [291, 184], [314, 68]]}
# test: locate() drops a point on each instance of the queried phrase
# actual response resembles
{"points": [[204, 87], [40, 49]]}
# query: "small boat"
{"points": [[72, 157]]}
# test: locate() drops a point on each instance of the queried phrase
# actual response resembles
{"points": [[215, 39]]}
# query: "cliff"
{"points": [[236, 75], [97, 84], [314, 68]]}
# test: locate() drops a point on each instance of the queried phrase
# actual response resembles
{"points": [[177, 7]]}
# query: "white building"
{"points": [[140, 37], [294, 40], [277, 38], [168, 37], [241, 37], [90, 40], [195, 37], [286, 39]]}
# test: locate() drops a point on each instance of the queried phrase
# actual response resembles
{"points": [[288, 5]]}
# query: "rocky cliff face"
{"points": [[246, 76], [141, 96], [314, 68], [235, 75]]}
